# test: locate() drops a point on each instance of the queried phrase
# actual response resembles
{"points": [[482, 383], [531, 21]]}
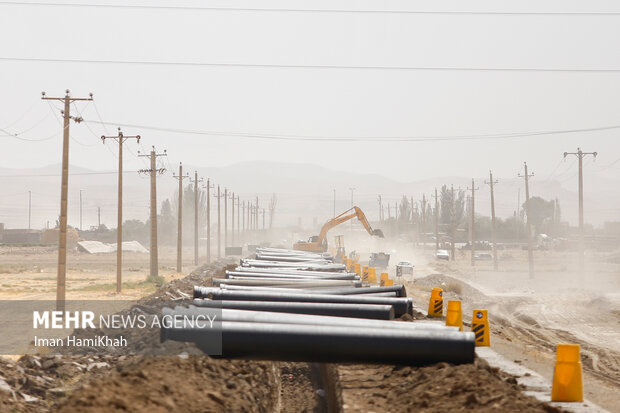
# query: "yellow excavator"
{"points": [[318, 243]]}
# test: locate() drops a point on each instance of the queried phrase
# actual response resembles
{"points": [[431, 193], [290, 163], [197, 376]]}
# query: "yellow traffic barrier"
{"points": [[365, 274], [435, 304], [454, 316], [567, 377], [383, 279], [480, 327], [358, 269], [389, 282], [372, 275]]}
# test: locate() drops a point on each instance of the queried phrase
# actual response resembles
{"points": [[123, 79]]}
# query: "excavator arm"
{"points": [[344, 217]]}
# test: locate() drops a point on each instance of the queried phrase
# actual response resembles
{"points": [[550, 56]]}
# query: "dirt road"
{"points": [[530, 316]]}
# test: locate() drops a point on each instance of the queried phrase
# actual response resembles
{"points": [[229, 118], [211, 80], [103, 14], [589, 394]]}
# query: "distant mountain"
{"points": [[303, 190]]}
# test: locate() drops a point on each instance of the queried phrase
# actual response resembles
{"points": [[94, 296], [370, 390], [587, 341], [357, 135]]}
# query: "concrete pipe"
{"points": [[373, 311], [290, 283], [299, 290], [400, 290], [301, 275], [401, 305], [248, 316], [330, 344]]}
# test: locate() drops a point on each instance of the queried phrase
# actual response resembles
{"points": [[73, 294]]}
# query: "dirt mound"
{"points": [[438, 388], [181, 384]]}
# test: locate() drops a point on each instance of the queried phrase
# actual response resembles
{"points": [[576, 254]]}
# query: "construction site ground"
{"points": [[189, 381]]}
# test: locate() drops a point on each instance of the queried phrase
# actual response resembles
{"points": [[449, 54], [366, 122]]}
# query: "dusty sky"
{"points": [[323, 102]]}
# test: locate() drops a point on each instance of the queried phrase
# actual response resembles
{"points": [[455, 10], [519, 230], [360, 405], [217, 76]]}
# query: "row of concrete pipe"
{"points": [[306, 308]]}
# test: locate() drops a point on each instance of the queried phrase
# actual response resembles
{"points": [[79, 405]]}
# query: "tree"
{"points": [[445, 204], [541, 213], [188, 212], [166, 228]]}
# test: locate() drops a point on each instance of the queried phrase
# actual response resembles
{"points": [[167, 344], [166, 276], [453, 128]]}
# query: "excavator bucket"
{"points": [[377, 233]]}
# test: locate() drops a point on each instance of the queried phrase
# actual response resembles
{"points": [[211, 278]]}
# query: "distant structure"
{"points": [[19, 236]]}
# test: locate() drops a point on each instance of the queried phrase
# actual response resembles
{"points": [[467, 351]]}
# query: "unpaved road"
{"points": [[530, 316]]}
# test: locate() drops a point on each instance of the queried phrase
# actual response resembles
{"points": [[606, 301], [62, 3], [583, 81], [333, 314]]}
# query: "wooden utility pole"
{"points": [[452, 224], [472, 223], [225, 218], [423, 219], [120, 138], [64, 188], [232, 219], [380, 210], [243, 219], [436, 214], [263, 219], [239, 221], [219, 226], [530, 252], [195, 181], [98, 217], [582, 245], [208, 188], [180, 177], [256, 212], [491, 182], [153, 248]]}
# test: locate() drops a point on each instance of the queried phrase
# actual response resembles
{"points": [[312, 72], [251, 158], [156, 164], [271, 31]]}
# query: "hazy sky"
{"points": [[322, 102]]}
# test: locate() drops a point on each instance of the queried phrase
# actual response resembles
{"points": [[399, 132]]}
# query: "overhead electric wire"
{"points": [[70, 174], [311, 10], [291, 137], [306, 66]]}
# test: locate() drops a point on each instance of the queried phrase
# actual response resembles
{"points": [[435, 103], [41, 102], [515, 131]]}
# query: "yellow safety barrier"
{"points": [[358, 269], [435, 304], [567, 377], [389, 282], [454, 316], [480, 327], [383, 279], [372, 275], [365, 274], [347, 264]]}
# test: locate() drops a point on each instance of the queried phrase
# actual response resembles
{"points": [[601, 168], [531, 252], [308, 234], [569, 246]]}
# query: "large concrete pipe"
{"points": [[373, 311], [292, 271], [331, 344], [290, 283], [299, 290], [226, 314], [401, 305], [301, 275], [400, 290]]}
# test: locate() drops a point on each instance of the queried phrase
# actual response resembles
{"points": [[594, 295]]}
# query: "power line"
{"points": [[301, 66], [361, 139], [71, 174], [305, 10]]}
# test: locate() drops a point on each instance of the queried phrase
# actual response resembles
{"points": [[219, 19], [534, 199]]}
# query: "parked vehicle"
{"points": [[404, 268], [483, 256], [379, 260], [442, 255]]}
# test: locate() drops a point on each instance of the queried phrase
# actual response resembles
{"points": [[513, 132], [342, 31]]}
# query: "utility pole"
{"points": [[263, 219], [530, 252], [239, 221], [491, 182], [582, 246], [436, 214], [208, 188], [452, 224], [180, 177], [232, 219], [352, 190], [243, 219], [98, 218], [472, 223], [518, 216], [80, 211], [219, 226], [153, 248], [225, 218], [380, 210], [256, 212], [195, 181], [62, 233], [29, 208], [120, 138]]}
